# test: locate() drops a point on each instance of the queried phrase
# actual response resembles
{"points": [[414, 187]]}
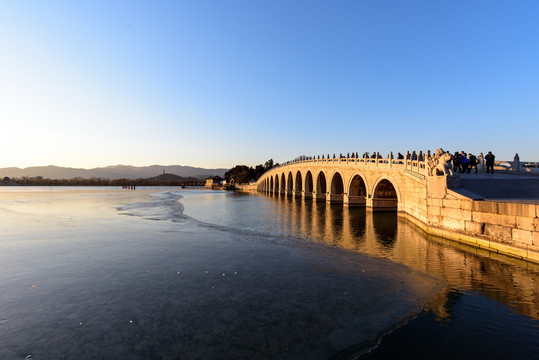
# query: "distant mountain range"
{"points": [[111, 172]]}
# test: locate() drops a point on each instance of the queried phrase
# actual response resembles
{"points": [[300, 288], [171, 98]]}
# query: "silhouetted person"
{"points": [[473, 163], [456, 162], [516, 162], [489, 160], [464, 163]]}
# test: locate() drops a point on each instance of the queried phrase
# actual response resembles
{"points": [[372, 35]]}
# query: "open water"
{"points": [[488, 309], [195, 274]]}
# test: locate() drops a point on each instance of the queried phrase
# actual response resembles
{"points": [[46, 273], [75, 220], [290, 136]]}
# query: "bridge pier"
{"points": [[368, 202], [319, 196]]}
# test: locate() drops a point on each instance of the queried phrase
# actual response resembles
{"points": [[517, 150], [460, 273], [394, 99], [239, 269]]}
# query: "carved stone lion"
{"points": [[438, 163]]}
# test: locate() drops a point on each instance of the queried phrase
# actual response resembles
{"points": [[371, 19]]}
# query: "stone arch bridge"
{"points": [[380, 184], [411, 187]]}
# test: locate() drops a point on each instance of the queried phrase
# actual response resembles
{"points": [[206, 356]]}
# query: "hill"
{"points": [[172, 177], [110, 172]]}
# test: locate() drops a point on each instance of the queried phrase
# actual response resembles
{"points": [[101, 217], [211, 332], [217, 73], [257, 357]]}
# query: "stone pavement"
{"points": [[502, 186]]}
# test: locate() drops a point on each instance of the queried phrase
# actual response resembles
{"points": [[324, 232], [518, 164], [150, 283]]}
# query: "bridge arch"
{"points": [[336, 190], [289, 184], [283, 183], [277, 188], [357, 190], [385, 194], [321, 185], [298, 185], [309, 184]]}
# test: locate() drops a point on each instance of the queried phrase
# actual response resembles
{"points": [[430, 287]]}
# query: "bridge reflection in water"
{"points": [[384, 234]]}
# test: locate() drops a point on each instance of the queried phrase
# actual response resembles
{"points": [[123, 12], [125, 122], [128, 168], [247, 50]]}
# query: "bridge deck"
{"points": [[502, 187]]}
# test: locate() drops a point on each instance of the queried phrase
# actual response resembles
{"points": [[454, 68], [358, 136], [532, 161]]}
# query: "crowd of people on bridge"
{"points": [[461, 162], [465, 163]]}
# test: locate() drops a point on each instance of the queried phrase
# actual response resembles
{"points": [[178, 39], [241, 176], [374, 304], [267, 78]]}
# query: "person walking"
{"points": [[489, 160]]}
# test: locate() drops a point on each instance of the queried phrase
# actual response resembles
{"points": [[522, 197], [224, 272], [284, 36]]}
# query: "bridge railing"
{"points": [[416, 166], [511, 166]]}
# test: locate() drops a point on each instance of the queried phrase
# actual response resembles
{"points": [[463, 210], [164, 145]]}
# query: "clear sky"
{"points": [[220, 83]]}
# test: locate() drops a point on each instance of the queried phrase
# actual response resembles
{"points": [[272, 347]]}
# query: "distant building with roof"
{"points": [[213, 182]]}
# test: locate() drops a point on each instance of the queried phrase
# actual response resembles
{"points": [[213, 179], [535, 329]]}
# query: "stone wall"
{"points": [[503, 227]]}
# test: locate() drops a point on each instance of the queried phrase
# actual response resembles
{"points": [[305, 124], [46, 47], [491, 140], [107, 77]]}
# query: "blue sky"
{"points": [[220, 83]]}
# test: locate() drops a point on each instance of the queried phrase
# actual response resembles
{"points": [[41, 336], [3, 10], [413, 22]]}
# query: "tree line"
{"points": [[97, 181], [244, 174]]}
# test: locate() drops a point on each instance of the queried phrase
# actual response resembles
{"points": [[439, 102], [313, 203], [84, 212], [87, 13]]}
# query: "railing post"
{"points": [[376, 156], [427, 156]]}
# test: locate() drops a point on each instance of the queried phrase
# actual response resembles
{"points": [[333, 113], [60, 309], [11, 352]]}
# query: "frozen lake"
{"points": [[110, 273]]}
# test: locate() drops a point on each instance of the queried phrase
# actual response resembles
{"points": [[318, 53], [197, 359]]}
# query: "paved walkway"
{"points": [[502, 186]]}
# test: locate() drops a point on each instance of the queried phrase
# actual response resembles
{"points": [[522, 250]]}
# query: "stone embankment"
{"points": [[509, 228]]}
